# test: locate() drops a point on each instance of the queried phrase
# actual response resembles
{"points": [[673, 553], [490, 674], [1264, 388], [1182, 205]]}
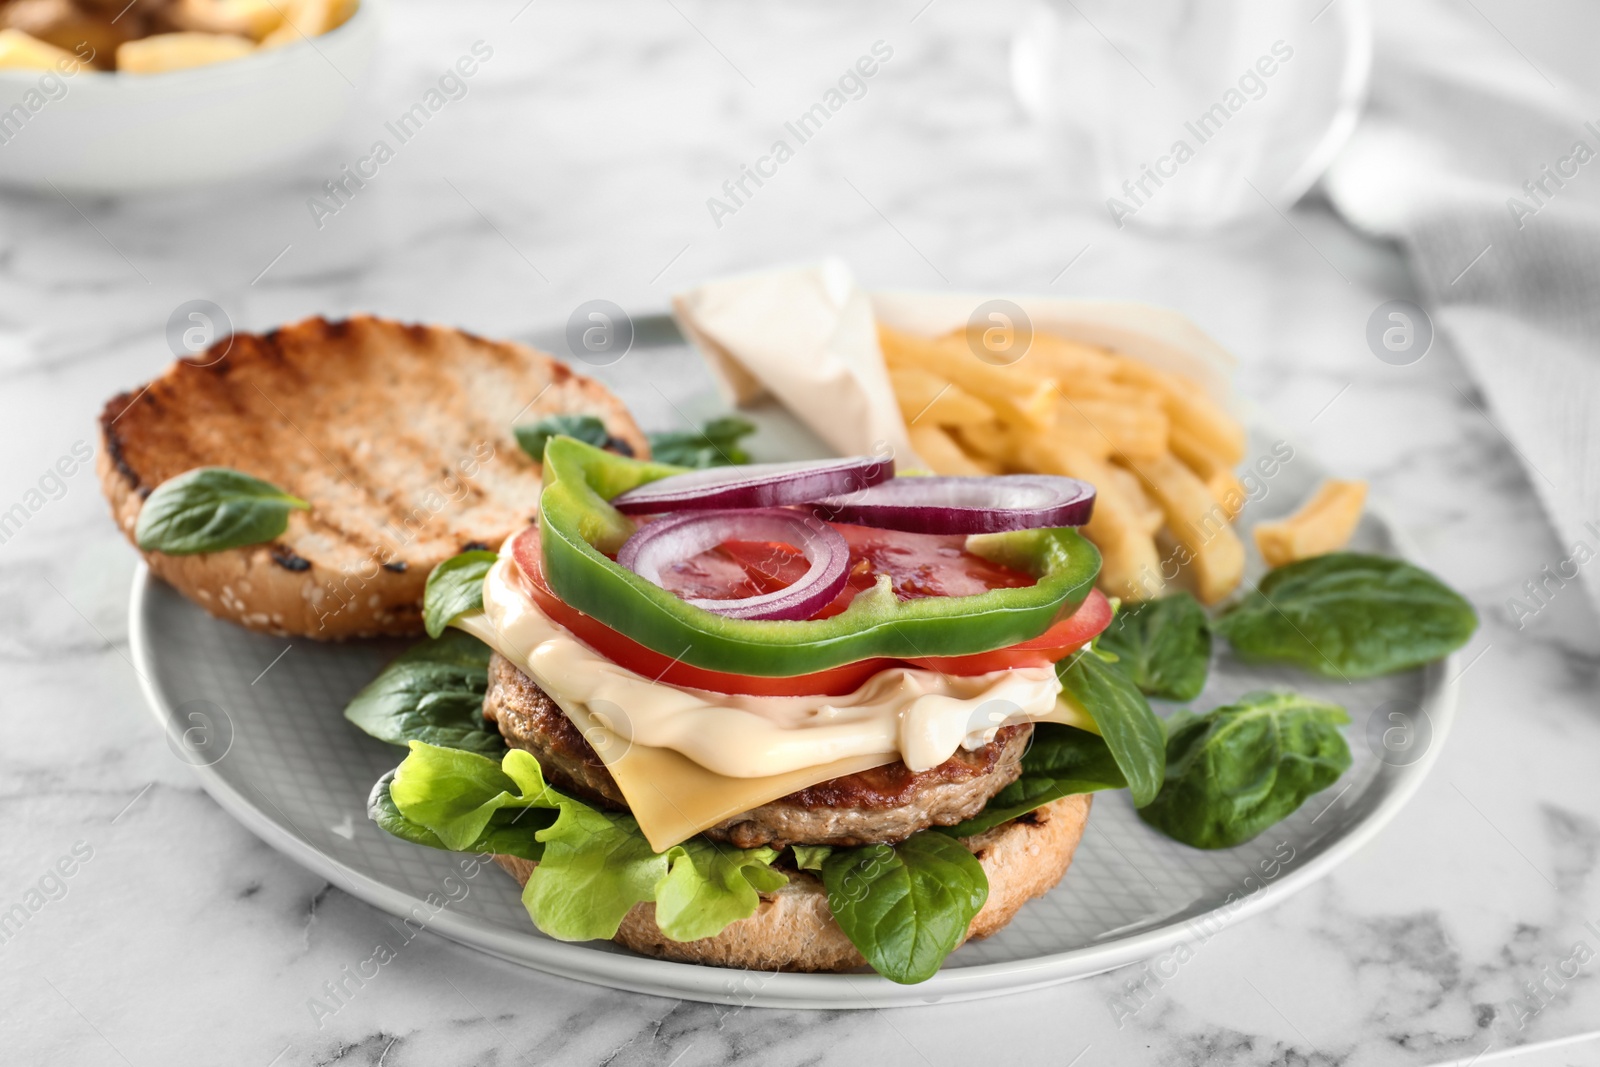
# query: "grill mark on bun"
{"points": [[391, 406], [289, 560]]}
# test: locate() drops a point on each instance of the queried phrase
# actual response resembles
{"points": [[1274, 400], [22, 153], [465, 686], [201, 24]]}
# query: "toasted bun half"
{"points": [[399, 436], [793, 929]]}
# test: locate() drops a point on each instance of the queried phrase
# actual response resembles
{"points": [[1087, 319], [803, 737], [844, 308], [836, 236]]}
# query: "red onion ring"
{"points": [[955, 505], [659, 544], [755, 485]]}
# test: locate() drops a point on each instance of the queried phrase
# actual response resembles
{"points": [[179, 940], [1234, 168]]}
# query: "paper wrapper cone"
{"points": [[807, 337]]}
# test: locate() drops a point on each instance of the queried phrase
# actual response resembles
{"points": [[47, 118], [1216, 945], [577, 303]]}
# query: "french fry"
{"points": [[1130, 566], [1000, 343], [1137, 433], [1202, 421], [988, 442], [179, 51], [1323, 524], [242, 18], [1076, 429], [1227, 490], [1088, 387], [1198, 455], [1014, 393], [926, 397], [309, 18], [21, 51], [941, 453], [1067, 361], [1128, 484], [1215, 555], [1159, 453], [1217, 473]]}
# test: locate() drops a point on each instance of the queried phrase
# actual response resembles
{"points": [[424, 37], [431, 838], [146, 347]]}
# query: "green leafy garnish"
{"points": [[1237, 770], [586, 428], [1062, 760], [434, 693], [1130, 729], [710, 885], [455, 586], [594, 866], [810, 857], [905, 907], [209, 509], [1163, 646], [1347, 615], [716, 444], [509, 832]]}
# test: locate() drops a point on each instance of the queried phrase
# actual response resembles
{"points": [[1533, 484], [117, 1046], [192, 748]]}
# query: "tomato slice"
{"points": [[916, 564], [922, 565], [626, 652], [1052, 646]]}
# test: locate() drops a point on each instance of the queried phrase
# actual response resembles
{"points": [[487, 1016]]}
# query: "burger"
{"points": [[800, 716]]}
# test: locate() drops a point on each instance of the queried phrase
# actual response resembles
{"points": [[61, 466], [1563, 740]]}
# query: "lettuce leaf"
{"points": [[810, 857], [455, 793], [594, 866], [509, 832], [711, 885]]}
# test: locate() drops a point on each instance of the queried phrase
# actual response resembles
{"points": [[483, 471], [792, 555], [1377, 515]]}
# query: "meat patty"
{"points": [[887, 803]]}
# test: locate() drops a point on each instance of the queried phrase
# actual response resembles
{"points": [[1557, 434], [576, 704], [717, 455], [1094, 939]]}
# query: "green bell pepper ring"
{"points": [[579, 529]]}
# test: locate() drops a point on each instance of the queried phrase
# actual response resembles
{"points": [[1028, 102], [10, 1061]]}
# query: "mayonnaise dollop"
{"points": [[922, 715]]}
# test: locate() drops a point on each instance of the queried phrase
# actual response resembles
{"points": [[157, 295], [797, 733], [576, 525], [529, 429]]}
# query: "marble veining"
{"points": [[581, 162]]}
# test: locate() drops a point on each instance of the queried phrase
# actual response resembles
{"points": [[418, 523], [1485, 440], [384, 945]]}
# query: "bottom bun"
{"points": [[793, 929]]}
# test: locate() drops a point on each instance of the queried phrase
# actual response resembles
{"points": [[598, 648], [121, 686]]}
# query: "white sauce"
{"points": [[922, 715]]}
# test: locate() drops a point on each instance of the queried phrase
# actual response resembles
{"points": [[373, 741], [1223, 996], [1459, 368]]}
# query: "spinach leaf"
{"points": [[905, 907], [455, 586], [510, 832], [209, 509], [1163, 645], [1130, 729], [716, 444], [433, 693], [1062, 760], [1347, 615], [586, 428], [1240, 768]]}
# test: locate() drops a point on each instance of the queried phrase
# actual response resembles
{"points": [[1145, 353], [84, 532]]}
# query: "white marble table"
{"points": [[578, 166]]}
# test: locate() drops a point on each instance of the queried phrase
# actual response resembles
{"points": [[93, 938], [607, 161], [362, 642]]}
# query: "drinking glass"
{"points": [[1193, 114]]}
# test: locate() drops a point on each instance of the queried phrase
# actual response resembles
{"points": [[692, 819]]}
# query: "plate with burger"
{"points": [[717, 714]]}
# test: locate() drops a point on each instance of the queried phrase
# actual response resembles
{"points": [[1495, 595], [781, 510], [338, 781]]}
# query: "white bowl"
{"points": [[103, 132]]}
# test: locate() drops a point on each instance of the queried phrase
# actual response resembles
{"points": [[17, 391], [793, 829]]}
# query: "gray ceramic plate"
{"points": [[259, 718]]}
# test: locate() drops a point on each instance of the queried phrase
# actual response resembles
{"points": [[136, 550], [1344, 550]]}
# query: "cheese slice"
{"points": [[672, 797], [685, 759]]}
